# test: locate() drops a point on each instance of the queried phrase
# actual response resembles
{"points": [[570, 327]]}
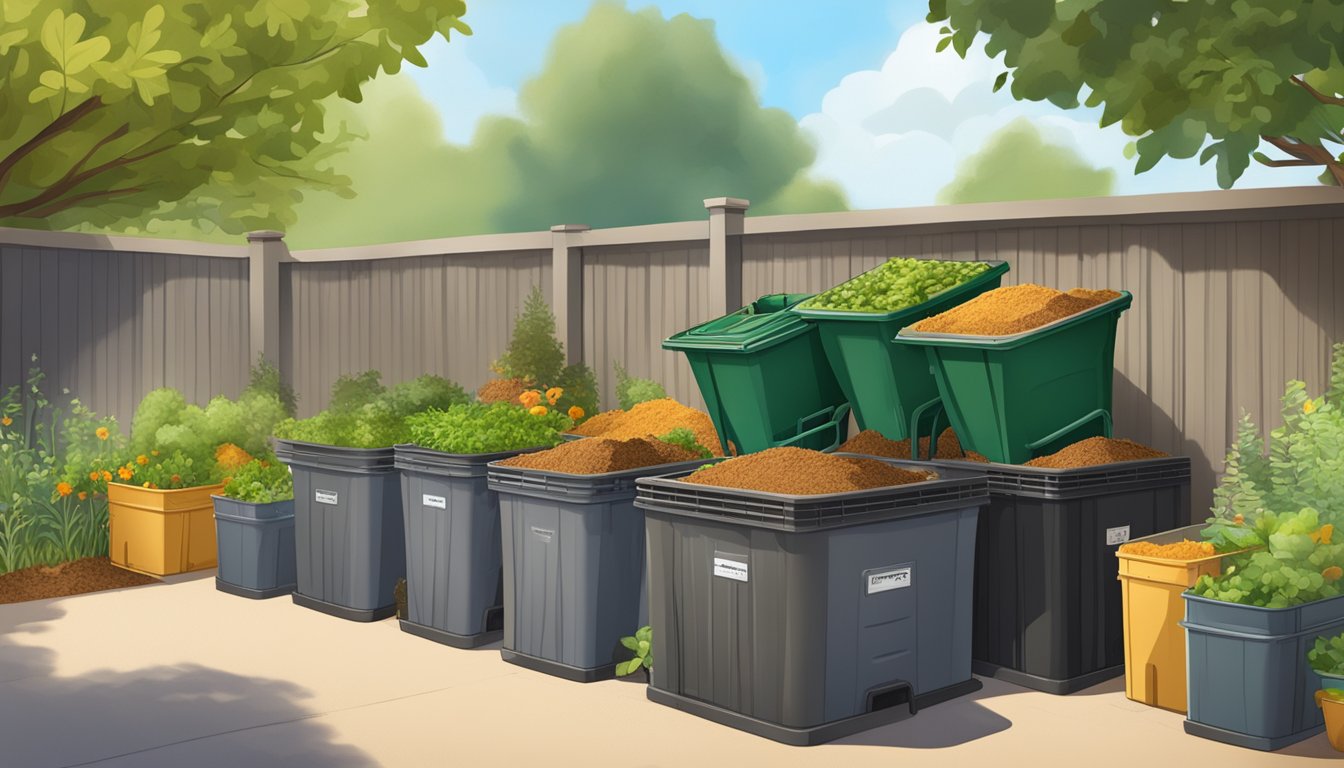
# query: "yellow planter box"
{"points": [[159, 532], [1150, 594]]}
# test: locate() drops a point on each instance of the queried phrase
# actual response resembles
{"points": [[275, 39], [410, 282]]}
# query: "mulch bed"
{"points": [[92, 574]]}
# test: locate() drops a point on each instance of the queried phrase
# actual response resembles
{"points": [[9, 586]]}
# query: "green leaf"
{"points": [[942, 44], [631, 643], [999, 81]]}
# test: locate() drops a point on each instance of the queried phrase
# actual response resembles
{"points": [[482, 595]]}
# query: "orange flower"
{"points": [[83, 496], [107, 476], [553, 394], [1322, 536], [125, 473], [1238, 519], [175, 479], [530, 399], [102, 433], [154, 452], [1332, 573], [575, 412], [537, 410], [142, 459], [1309, 407], [6, 421], [94, 476], [64, 489]]}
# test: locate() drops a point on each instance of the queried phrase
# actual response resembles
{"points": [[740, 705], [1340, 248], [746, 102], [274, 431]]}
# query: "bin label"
{"points": [[437, 502], [1117, 535], [544, 534], [324, 497], [888, 579], [730, 569]]}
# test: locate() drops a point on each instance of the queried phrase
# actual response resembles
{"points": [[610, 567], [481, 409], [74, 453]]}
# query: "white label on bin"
{"points": [[730, 569], [437, 502], [543, 534], [889, 579], [325, 497], [1117, 535]]}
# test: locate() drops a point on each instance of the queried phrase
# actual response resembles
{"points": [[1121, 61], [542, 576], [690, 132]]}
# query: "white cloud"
{"points": [[895, 137], [459, 89]]}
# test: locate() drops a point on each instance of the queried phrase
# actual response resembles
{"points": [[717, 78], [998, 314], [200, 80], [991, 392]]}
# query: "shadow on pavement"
{"points": [[948, 724], [121, 718]]}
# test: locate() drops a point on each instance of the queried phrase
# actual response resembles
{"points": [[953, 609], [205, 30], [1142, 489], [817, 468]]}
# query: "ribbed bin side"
{"points": [[573, 579], [454, 578], [256, 544], [1248, 678], [784, 628], [349, 537]]}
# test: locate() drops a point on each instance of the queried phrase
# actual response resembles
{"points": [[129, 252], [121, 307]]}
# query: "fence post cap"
{"points": [[570, 228], [735, 204], [264, 235]]}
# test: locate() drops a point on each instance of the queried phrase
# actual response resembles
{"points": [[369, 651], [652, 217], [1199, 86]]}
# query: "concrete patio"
{"points": [[179, 674]]}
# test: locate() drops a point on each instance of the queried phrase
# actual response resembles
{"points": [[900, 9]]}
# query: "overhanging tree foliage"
{"points": [[110, 111], [1212, 77]]}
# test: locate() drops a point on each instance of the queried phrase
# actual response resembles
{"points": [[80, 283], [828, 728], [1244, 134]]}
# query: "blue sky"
{"points": [[860, 76]]}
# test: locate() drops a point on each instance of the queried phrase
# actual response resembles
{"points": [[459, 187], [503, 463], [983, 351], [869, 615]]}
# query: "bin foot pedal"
{"points": [[1047, 684], [818, 734], [1262, 743], [255, 594], [453, 639], [346, 612], [557, 669]]}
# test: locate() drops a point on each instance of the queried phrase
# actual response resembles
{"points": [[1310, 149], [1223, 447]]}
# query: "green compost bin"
{"points": [[1013, 398], [885, 382], [764, 377]]}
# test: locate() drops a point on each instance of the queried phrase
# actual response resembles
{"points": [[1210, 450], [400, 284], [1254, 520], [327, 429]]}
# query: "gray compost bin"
{"points": [[256, 547], [348, 531], [454, 572], [574, 576], [1248, 680], [808, 618]]}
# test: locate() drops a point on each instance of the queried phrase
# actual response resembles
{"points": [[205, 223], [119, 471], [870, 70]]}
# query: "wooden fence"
{"points": [[1235, 293]]}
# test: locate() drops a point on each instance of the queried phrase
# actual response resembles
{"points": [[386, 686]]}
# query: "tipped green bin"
{"points": [[1013, 398], [885, 382], [765, 378]]}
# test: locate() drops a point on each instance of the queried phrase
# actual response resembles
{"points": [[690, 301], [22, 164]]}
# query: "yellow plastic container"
{"points": [[1150, 594], [160, 532], [1333, 709]]}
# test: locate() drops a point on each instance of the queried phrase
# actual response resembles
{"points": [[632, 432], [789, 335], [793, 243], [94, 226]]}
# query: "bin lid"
{"points": [[761, 324]]}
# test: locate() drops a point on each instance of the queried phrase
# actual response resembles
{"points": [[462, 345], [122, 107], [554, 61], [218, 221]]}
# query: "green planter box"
{"points": [[764, 377], [885, 382], [1013, 398]]}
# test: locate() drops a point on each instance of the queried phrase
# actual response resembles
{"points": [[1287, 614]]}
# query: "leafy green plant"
{"points": [[685, 438], [364, 414], [1300, 562], [1327, 655], [631, 391], [165, 422], [896, 284], [535, 355], [168, 471], [641, 644], [261, 481], [265, 380], [476, 428]]}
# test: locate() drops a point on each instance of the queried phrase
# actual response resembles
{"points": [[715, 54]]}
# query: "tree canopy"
{"points": [[1018, 163], [1187, 77], [194, 110]]}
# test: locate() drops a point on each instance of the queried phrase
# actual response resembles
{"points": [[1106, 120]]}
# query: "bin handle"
{"points": [[839, 414], [915, 416], [1100, 413]]}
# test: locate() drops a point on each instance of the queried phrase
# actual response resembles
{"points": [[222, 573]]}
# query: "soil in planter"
{"points": [[872, 443], [799, 471], [1177, 550], [91, 574], [1013, 309], [1095, 451], [653, 417], [598, 455]]}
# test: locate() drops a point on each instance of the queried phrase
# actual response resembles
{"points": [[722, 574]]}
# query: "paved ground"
{"points": [[181, 675]]}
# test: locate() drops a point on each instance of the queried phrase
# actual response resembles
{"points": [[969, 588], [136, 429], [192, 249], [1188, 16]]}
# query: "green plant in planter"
{"points": [[475, 428], [685, 438], [535, 355], [1327, 656], [261, 481], [1301, 561], [364, 414], [631, 391], [641, 644], [265, 379]]}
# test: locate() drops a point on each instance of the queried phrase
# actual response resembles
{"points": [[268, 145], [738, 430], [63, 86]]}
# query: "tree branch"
{"points": [[53, 129], [58, 191], [1308, 154], [1321, 97], [69, 202], [1287, 163]]}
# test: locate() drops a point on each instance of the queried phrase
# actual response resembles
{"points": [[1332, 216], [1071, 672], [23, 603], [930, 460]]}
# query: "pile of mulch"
{"points": [[652, 418], [1013, 309], [1185, 549], [871, 443], [91, 574], [502, 390], [598, 455], [1095, 451], [801, 472]]}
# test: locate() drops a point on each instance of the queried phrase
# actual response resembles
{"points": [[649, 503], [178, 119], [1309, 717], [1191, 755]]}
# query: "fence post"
{"points": [[265, 250], [725, 253], [567, 288]]}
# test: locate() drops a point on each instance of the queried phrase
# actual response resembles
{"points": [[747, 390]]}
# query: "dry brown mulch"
{"points": [[91, 574]]}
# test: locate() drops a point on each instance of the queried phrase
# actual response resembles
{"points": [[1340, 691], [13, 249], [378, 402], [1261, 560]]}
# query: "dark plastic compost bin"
{"points": [[1013, 398], [885, 382], [1248, 678], [807, 618], [256, 547], [348, 529], [454, 571], [1048, 606], [574, 576], [764, 377]]}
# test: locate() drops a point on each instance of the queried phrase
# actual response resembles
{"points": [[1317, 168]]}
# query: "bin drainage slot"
{"points": [[892, 695], [494, 618]]}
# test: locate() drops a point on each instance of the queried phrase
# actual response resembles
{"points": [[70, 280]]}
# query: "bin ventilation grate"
{"points": [[1084, 481], [537, 482]]}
